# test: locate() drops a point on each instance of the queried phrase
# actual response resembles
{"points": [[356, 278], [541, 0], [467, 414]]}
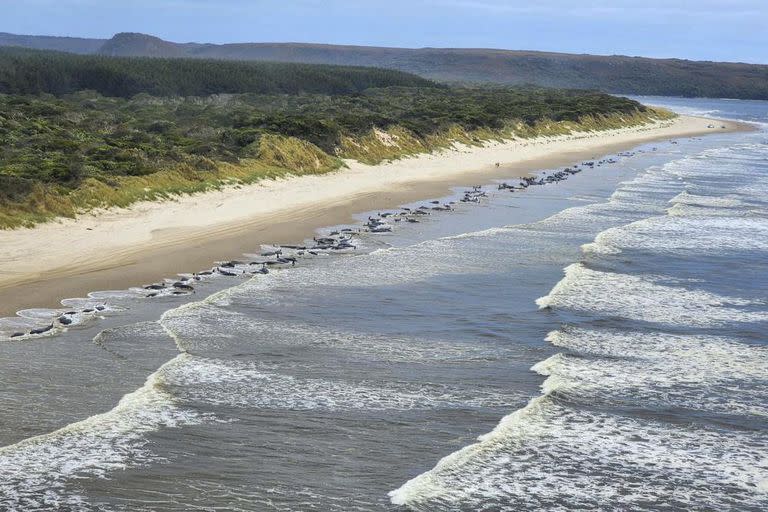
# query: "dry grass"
{"points": [[378, 146], [277, 157]]}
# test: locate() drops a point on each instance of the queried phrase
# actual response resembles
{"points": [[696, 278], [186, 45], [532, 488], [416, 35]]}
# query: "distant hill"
{"points": [[615, 74], [129, 44], [62, 44]]}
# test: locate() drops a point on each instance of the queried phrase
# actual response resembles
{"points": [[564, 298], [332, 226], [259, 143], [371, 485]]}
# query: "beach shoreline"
{"points": [[119, 248]]}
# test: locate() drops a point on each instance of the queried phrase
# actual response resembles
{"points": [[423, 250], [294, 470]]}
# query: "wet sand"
{"points": [[122, 248]]}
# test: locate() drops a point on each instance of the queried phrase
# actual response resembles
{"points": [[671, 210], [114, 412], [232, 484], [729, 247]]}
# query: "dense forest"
{"points": [[25, 71], [197, 124], [609, 73]]}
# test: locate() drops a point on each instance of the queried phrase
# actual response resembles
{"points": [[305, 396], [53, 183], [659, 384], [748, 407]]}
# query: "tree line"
{"points": [[24, 71]]}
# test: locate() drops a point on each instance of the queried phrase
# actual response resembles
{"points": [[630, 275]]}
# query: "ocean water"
{"points": [[597, 343]]}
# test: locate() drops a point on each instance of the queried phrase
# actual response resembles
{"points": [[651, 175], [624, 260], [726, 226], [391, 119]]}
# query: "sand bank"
{"points": [[118, 248]]}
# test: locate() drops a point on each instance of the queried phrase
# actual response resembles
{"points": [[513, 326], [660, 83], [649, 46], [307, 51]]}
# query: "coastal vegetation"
{"points": [[65, 152]]}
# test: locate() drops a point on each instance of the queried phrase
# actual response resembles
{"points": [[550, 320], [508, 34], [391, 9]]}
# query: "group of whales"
{"points": [[544, 179], [381, 223], [283, 255], [277, 256], [340, 240], [66, 318]]}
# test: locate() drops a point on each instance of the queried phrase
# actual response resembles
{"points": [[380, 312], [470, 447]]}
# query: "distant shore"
{"points": [[119, 248]]}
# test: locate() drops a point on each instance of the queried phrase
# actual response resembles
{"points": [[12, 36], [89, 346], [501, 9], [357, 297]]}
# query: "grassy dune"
{"points": [[278, 156], [397, 142]]}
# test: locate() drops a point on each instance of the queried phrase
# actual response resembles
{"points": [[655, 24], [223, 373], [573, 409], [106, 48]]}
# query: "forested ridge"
{"points": [[25, 71]]}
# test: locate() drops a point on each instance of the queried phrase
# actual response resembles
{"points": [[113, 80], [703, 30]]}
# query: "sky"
{"points": [[728, 30]]}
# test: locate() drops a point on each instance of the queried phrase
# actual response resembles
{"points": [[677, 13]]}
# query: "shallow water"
{"points": [[595, 343]]}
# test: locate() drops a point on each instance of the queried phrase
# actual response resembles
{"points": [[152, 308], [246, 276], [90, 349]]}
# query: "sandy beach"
{"points": [[118, 248]]}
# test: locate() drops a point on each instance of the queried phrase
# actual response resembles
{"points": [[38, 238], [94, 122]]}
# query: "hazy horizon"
{"points": [[703, 30]]}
